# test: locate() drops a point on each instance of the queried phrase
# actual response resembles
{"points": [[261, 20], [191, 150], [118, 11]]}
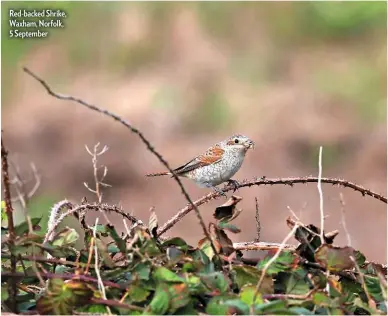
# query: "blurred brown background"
{"points": [[291, 76]]}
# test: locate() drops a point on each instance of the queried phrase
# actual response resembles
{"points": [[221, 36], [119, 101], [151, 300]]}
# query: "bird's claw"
{"points": [[234, 183]]}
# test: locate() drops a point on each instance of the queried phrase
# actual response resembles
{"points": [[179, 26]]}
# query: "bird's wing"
{"points": [[211, 156]]}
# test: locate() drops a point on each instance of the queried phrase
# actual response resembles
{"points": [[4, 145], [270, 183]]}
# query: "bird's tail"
{"points": [[158, 174]]}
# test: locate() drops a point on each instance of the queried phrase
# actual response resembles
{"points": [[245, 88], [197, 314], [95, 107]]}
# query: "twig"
{"points": [[257, 217], [45, 260], [268, 264], [260, 181], [97, 181], [254, 245], [135, 131], [96, 267], [12, 289], [362, 278], [54, 213], [343, 220], [319, 185], [67, 276], [85, 207], [288, 296]]}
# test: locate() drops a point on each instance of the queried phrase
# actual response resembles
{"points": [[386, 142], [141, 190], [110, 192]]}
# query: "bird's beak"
{"points": [[249, 144]]}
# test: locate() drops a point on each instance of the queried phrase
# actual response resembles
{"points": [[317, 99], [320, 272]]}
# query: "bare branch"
{"points": [[254, 245], [264, 181], [12, 289], [343, 219], [86, 207], [133, 130], [257, 217], [319, 185]]}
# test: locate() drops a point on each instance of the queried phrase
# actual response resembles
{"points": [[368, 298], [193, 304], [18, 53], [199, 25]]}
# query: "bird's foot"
{"points": [[234, 183]]}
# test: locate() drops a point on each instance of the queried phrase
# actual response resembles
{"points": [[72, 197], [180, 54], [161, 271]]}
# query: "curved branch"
{"points": [[263, 181], [133, 130]]}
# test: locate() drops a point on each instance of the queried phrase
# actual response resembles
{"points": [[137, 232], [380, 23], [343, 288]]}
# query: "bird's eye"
{"points": [[236, 141]]}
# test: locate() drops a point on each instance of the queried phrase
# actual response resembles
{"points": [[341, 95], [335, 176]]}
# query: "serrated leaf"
{"points": [[236, 307], [63, 297], [321, 299], [216, 305], [23, 228], [66, 237], [333, 258], [373, 287], [247, 275], [360, 258], [166, 275], [142, 270], [179, 296], [216, 281], [205, 245], [284, 262], [161, 300], [177, 242], [137, 293], [247, 294]]}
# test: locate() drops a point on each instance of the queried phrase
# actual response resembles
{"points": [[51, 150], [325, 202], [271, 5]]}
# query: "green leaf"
{"points": [[205, 245], [216, 305], [282, 263], [142, 270], [115, 236], [66, 237], [215, 281], [3, 212], [225, 225], [22, 228], [247, 294], [321, 299], [360, 258], [4, 292], [58, 252], [177, 242], [271, 307], [166, 275], [95, 309], [236, 307], [63, 297], [179, 296], [246, 275], [161, 300], [295, 282], [103, 252], [373, 287], [137, 293], [334, 258]]}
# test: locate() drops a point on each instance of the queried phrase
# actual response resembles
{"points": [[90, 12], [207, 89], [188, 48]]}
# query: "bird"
{"points": [[218, 164]]}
